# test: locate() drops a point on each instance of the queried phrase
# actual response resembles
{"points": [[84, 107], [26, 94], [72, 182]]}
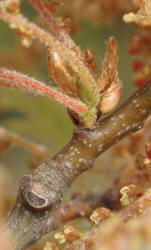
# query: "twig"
{"points": [[41, 193], [86, 79], [79, 207], [56, 28], [15, 80], [14, 138]]}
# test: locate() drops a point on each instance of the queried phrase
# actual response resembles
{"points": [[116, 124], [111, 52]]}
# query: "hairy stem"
{"points": [[15, 80], [40, 194], [56, 27], [87, 81]]}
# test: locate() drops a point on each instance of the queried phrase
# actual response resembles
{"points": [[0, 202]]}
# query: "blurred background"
{"points": [[42, 120]]}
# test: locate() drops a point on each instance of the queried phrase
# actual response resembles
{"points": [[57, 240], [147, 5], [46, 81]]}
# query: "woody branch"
{"points": [[35, 211]]}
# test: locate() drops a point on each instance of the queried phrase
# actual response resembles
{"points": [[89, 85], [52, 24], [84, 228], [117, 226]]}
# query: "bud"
{"points": [[100, 214], [61, 73], [125, 198], [131, 193], [89, 60], [109, 73], [111, 97], [71, 233]]}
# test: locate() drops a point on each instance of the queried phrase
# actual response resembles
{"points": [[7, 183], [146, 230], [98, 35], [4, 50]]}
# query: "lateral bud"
{"points": [[89, 60], [61, 73], [111, 97]]}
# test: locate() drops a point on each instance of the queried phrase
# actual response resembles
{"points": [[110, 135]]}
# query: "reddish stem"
{"points": [[55, 27], [16, 80]]}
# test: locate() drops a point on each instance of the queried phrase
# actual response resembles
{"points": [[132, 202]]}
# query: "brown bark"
{"points": [[35, 211]]}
